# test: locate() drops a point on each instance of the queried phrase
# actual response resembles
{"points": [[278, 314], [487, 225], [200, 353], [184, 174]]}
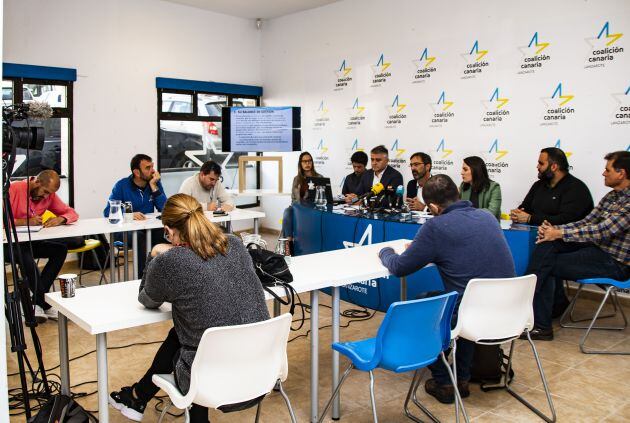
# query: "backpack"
{"points": [[63, 409], [489, 366]]}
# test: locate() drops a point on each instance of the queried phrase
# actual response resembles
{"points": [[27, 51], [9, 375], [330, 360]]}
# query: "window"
{"points": [[189, 132], [57, 151]]}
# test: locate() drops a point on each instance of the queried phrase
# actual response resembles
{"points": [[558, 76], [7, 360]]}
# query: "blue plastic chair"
{"points": [[611, 291], [413, 335]]}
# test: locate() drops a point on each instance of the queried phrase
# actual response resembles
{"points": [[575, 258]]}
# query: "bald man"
{"points": [[29, 200]]}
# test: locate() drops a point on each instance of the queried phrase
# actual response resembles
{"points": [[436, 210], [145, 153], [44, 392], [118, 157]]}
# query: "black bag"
{"points": [[272, 270], [63, 406], [101, 252], [489, 366]]}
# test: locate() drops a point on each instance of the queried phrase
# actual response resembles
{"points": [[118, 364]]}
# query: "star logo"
{"points": [[495, 148], [474, 55], [442, 147], [343, 70], [496, 101], [381, 66], [557, 99], [425, 60], [534, 47], [356, 110], [605, 38], [355, 146], [321, 147], [566, 153], [396, 106], [399, 151], [321, 110], [442, 104], [366, 239]]}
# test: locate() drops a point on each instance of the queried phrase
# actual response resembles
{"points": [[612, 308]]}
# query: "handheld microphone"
{"points": [[400, 190], [375, 190]]}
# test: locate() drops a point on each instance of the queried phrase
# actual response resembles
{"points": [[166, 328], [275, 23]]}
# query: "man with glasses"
{"points": [[206, 188], [420, 164]]}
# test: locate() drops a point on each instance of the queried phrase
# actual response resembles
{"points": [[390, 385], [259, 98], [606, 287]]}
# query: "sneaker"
{"points": [[443, 393], [40, 315], [51, 313], [538, 334], [125, 402]]}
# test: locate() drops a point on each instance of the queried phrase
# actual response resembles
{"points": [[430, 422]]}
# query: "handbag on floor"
{"points": [[63, 409], [489, 366]]}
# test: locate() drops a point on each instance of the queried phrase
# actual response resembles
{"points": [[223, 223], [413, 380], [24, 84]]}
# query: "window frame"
{"points": [[193, 116], [58, 113]]}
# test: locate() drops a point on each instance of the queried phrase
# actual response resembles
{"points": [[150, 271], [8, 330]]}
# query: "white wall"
{"points": [[119, 47], [302, 52]]}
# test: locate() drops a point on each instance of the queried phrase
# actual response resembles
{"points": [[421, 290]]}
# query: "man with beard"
{"points": [[597, 246], [145, 192], [557, 197], [420, 164], [206, 188], [30, 200]]}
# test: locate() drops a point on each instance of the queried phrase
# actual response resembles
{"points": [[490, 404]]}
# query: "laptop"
{"points": [[312, 182]]}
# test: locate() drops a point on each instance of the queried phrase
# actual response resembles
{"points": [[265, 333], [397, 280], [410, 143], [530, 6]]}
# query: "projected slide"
{"points": [[262, 129]]}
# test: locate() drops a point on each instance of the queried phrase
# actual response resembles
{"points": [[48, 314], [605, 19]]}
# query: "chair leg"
{"points": [[412, 395], [372, 399], [336, 392], [611, 290], [81, 269], [187, 415], [258, 411], [542, 377], [100, 268], [568, 315], [164, 410], [458, 397], [286, 400]]}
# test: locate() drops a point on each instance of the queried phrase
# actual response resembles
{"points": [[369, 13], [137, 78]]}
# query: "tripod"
{"points": [[17, 300]]}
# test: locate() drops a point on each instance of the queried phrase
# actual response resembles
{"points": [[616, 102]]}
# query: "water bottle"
{"points": [[115, 212], [320, 196]]}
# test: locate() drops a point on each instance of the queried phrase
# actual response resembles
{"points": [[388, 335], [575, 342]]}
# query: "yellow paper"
{"points": [[47, 215]]}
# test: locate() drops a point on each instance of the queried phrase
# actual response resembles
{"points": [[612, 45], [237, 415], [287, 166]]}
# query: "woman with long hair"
{"points": [[478, 188], [299, 188], [209, 279]]}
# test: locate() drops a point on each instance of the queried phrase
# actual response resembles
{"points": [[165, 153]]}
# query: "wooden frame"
{"points": [[242, 163]]}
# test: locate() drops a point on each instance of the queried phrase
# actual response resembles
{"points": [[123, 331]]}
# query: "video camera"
{"points": [[26, 137]]}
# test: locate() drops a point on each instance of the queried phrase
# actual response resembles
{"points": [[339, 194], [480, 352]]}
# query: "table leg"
{"points": [[148, 236], [276, 308], [126, 255], [64, 364], [335, 354], [134, 246], [101, 364], [228, 226], [314, 354], [403, 289], [112, 259], [256, 225]]}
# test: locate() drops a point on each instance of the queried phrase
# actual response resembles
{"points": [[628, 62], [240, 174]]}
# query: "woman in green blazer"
{"points": [[478, 188]]}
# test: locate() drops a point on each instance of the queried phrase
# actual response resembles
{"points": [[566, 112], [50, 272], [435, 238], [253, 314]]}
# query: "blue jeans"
{"points": [[558, 260], [287, 223]]}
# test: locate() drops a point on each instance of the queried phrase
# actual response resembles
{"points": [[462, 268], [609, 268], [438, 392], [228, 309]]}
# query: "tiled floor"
{"points": [[585, 388]]}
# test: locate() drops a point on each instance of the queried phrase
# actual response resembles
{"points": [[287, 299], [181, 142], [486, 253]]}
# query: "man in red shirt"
{"points": [[29, 200]]}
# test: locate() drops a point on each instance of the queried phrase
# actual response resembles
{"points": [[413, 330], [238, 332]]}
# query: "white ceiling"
{"points": [[253, 9]]}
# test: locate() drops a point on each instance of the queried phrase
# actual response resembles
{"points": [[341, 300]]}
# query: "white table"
{"points": [[257, 193], [101, 225], [106, 308]]}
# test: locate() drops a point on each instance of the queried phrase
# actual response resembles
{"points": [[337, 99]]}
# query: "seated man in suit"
{"points": [[381, 172], [421, 165]]}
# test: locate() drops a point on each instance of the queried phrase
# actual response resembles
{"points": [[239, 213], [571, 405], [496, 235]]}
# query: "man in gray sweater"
{"points": [[206, 187]]}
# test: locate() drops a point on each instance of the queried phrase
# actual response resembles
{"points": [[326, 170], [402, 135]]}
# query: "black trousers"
{"points": [[39, 283], [164, 363]]}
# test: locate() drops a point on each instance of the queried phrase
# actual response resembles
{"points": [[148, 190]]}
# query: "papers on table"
{"points": [[25, 229]]}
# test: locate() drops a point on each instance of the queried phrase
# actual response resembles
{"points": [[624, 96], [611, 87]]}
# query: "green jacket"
{"points": [[489, 199]]}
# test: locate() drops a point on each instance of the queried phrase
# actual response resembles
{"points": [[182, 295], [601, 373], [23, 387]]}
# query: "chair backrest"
{"points": [[239, 363], [414, 333], [496, 309]]}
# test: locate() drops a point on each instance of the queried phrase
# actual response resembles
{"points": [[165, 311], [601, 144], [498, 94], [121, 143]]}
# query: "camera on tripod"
{"points": [[16, 133]]}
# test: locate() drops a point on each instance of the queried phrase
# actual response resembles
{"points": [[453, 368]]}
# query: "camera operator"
{"points": [[30, 199]]}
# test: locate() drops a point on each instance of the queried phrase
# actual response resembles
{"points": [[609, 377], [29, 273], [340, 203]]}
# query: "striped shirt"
{"points": [[607, 226]]}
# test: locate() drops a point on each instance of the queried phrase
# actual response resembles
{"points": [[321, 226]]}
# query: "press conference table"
{"points": [[107, 308], [101, 225]]}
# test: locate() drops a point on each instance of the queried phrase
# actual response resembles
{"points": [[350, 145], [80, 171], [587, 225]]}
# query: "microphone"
{"points": [[38, 110], [400, 190], [375, 190]]}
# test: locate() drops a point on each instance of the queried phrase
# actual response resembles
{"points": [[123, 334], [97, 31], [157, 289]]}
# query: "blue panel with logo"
{"points": [[316, 231]]}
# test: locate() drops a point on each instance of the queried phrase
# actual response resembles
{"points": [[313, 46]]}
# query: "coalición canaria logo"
{"points": [[557, 106], [621, 114], [357, 115], [475, 62], [321, 117], [604, 48], [398, 160], [396, 114], [535, 54], [343, 76], [321, 157], [494, 161], [441, 111], [424, 67], [381, 71], [442, 164], [496, 109]]}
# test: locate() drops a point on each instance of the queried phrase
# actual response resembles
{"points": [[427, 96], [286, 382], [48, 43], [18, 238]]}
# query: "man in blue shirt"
{"points": [[145, 192], [464, 243]]}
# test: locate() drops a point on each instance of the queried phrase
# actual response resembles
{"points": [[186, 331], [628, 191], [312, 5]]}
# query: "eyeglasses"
{"points": [[416, 164], [307, 161]]}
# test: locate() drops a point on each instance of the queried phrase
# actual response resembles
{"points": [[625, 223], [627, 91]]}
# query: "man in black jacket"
{"points": [[380, 172], [351, 182]]}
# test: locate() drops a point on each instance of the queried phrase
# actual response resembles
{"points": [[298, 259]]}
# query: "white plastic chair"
{"points": [[496, 311], [234, 364]]}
